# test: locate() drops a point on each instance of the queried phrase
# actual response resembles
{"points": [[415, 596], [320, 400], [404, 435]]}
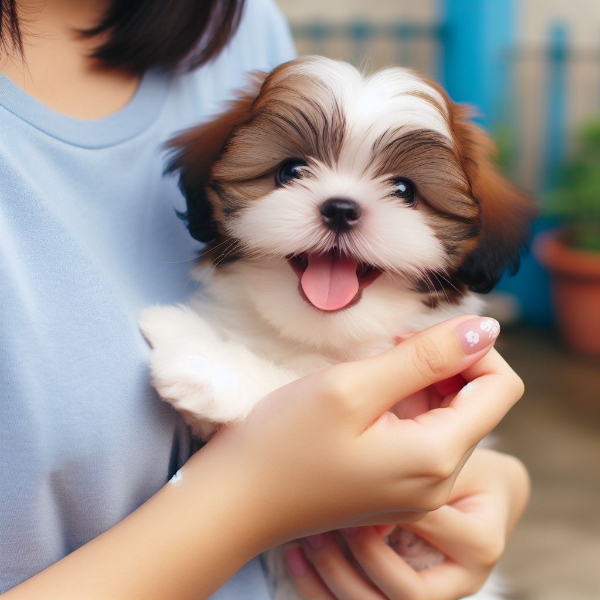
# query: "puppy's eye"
{"points": [[288, 170], [404, 188]]}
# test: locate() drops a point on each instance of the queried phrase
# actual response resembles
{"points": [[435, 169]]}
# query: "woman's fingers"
{"points": [[487, 500], [341, 577], [329, 574], [450, 581], [493, 389], [396, 579], [456, 534], [384, 567], [304, 576], [374, 385], [452, 385]]}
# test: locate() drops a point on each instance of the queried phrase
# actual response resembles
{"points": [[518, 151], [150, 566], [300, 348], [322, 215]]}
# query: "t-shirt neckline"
{"points": [[136, 116]]}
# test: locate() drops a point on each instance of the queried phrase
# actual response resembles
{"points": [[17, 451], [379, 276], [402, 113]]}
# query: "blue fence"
{"points": [[358, 35], [475, 58]]}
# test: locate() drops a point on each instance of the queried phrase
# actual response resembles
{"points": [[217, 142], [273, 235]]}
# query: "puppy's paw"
{"points": [[199, 383]]}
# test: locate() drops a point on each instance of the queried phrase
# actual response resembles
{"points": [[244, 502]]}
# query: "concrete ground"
{"points": [[555, 430]]}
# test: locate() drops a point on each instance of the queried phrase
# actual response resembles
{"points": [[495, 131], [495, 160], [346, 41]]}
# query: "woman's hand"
{"points": [[327, 452], [488, 499]]}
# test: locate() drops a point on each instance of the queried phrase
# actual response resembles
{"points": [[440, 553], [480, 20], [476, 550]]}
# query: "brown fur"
{"points": [[444, 192], [506, 211], [196, 151]]}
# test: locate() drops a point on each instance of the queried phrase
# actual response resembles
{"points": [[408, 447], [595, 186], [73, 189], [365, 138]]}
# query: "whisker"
{"points": [[428, 283], [442, 286], [225, 254], [437, 296], [450, 282], [196, 257]]}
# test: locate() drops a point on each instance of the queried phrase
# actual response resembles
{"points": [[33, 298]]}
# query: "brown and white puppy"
{"points": [[339, 211]]}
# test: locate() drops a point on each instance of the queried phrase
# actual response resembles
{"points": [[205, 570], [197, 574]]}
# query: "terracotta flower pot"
{"points": [[576, 289]]}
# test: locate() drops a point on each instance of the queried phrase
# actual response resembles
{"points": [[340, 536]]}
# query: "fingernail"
{"points": [[315, 541], [476, 334], [295, 561], [349, 530]]}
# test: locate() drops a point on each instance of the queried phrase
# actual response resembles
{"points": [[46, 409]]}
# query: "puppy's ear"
{"points": [[507, 212], [193, 153]]}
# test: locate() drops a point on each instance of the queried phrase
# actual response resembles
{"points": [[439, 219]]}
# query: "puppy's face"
{"points": [[348, 205]]}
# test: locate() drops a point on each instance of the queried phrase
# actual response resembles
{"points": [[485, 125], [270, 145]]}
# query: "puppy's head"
{"points": [[348, 204]]}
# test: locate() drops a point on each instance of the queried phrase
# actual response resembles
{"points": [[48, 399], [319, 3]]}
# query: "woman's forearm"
{"points": [[184, 542]]}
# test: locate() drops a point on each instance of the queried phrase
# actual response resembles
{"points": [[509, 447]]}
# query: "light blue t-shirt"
{"points": [[88, 237]]}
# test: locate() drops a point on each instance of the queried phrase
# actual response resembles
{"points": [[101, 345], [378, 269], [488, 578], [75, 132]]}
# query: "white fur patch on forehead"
{"points": [[391, 98], [401, 98], [341, 77]]}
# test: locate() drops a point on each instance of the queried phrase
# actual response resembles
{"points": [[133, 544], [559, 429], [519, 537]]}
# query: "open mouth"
{"points": [[332, 281]]}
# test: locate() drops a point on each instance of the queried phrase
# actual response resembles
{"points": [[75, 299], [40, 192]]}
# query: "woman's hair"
{"points": [[148, 33]]}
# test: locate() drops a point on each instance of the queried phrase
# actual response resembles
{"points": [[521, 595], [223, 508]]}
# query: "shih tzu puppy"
{"points": [[339, 211]]}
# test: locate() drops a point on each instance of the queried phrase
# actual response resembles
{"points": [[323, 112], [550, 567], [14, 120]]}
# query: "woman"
{"points": [[89, 237]]}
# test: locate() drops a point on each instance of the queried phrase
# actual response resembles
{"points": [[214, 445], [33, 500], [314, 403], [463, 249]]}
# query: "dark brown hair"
{"points": [[10, 33], [148, 33]]}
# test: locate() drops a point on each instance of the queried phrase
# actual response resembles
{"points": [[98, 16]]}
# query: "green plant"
{"points": [[576, 200]]}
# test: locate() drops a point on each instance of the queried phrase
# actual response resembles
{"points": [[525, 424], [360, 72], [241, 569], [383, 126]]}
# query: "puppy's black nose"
{"points": [[339, 214]]}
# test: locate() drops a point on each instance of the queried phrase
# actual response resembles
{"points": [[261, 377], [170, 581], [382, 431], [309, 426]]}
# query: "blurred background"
{"points": [[532, 70]]}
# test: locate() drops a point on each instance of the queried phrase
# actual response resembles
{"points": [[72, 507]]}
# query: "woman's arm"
{"points": [[184, 542], [317, 454]]}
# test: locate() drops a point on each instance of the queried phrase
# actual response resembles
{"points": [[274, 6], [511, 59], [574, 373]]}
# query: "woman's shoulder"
{"points": [[262, 41], [265, 33]]}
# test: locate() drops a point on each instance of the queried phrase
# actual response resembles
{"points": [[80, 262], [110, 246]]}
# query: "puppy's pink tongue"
{"points": [[330, 281]]}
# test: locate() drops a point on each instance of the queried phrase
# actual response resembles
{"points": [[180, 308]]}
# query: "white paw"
{"points": [[199, 383], [188, 381]]}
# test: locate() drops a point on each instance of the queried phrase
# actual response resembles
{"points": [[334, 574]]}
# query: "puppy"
{"points": [[339, 211]]}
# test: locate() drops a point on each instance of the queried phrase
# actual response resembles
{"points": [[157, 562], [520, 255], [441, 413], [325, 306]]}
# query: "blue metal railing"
{"points": [[359, 34], [558, 57], [360, 30]]}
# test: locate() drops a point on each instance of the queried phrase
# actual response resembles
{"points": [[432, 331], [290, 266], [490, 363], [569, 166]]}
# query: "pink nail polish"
{"points": [[295, 561], [477, 334], [315, 541]]}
